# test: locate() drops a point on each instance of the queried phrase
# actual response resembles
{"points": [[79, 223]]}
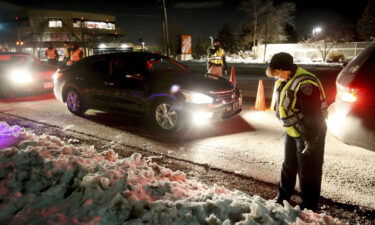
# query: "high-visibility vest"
{"points": [[290, 116], [217, 57], [75, 57], [51, 53]]}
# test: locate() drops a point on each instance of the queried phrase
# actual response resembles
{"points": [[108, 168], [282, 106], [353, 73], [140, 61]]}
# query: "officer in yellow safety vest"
{"points": [[216, 60], [52, 55], [301, 107], [76, 54]]}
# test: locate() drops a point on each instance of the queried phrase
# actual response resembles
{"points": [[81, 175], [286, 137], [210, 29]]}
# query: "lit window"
{"points": [[55, 23]]}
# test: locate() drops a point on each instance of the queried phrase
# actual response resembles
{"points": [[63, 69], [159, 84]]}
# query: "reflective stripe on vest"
{"points": [[217, 57], [51, 54], [75, 55], [289, 115]]}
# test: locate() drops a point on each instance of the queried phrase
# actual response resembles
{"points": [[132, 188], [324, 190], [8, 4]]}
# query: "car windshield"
{"points": [[17, 59], [165, 64]]}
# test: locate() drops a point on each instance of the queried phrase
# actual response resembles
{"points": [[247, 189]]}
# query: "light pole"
{"points": [[165, 26]]}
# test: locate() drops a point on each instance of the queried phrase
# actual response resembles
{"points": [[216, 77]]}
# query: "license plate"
{"points": [[48, 85]]}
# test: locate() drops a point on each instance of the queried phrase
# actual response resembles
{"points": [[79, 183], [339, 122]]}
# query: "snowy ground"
{"points": [[246, 58], [44, 180]]}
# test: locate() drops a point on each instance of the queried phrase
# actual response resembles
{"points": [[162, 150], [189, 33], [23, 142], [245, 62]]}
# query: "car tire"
{"points": [[165, 115], [75, 102]]}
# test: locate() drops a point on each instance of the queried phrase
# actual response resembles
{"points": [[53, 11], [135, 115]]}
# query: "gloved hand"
{"points": [[305, 146]]}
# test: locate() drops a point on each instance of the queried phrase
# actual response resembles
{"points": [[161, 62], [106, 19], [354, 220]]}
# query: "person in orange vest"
{"points": [[216, 59], [52, 55], [76, 54]]}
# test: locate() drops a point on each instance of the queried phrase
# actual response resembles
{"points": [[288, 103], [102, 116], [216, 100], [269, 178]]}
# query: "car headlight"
{"points": [[197, 98], [20, 76]]}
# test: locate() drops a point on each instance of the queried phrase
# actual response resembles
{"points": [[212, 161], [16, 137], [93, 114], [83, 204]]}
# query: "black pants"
{"points": [[308, 167]]}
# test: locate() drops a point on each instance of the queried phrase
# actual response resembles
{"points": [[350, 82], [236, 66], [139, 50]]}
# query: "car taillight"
{"points": [[57, 75], [348, 95]]}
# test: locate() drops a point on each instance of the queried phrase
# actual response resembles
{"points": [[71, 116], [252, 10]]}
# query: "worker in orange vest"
{"points": [[76, 54], [52, 55]]}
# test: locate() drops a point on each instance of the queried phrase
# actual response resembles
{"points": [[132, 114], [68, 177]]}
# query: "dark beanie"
{"points": [[281, 61]]}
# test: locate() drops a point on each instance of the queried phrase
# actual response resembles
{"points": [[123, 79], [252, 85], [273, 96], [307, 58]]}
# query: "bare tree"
{"points": [[366, 25], [253, 10], [265, 22], [326, 40]]}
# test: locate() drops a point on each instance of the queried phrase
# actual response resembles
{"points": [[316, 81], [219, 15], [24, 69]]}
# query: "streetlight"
{"points": [[317, 30]]}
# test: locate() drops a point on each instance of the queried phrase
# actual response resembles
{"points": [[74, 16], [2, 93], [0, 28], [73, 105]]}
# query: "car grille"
{"points": [[226, 96]]}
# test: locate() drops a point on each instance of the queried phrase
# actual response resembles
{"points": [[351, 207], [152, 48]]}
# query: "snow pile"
{"points": [[44, 180], [9, 135]]}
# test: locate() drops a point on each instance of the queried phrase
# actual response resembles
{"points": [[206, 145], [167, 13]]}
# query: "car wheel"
{"points": [[74, 102], [165, 116]]}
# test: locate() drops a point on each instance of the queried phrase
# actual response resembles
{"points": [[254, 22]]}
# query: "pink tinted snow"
{"points": [[9, 135], [145, 181]]}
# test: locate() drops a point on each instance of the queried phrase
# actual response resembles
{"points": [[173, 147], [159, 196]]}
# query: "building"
{"points": [[31, 30]]}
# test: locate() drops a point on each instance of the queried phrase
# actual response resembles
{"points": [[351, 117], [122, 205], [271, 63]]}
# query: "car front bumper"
{"points": [[210, 113]]}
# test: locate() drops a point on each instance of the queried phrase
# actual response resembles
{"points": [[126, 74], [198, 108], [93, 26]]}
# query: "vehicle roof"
{"points": [[144, 54], [13, 53]]}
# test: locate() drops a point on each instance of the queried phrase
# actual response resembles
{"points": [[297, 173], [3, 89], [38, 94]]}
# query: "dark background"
{"points": [[143, 18]]}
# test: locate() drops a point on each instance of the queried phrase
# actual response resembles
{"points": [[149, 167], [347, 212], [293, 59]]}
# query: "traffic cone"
{"points": [[233, 76], [260, 102]]}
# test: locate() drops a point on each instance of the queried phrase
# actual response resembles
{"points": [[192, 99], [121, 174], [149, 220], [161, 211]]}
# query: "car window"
{"points": [[164, 64], [125, 66], [97, 66], [367, 70], [17, 59]]}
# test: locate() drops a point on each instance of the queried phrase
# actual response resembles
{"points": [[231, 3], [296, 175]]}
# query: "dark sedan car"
{"points": [[150, 85], [351, 117], [22, 73]]}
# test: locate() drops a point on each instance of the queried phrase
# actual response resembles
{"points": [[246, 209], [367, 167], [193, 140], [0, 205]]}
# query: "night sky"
{"points": [[142, 18]]}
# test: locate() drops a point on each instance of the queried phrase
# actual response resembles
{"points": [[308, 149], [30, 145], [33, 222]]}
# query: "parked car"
{"points": [[351, 117], [22, 73], [148, 85]]}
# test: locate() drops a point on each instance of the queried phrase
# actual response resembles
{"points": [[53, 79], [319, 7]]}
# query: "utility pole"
{"points": [[165, 28]]}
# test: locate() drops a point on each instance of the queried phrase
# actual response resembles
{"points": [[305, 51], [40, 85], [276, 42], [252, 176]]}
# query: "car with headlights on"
{"points": [[351, 118], [21, 73], [148, 85]]}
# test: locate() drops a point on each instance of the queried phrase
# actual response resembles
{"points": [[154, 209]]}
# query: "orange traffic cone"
{"points": [[232, 76], [260, 102]]}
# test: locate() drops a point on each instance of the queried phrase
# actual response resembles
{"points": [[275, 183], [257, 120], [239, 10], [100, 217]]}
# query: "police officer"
{"points": [[300, 106], [216, 59], [52, 55], [76, 54]]}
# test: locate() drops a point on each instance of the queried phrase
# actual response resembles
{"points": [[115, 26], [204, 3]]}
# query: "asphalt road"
{"points": [[248, 76], [249, 144]]}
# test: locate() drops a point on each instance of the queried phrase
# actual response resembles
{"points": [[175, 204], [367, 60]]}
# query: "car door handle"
{"points": [[109, 83]]}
